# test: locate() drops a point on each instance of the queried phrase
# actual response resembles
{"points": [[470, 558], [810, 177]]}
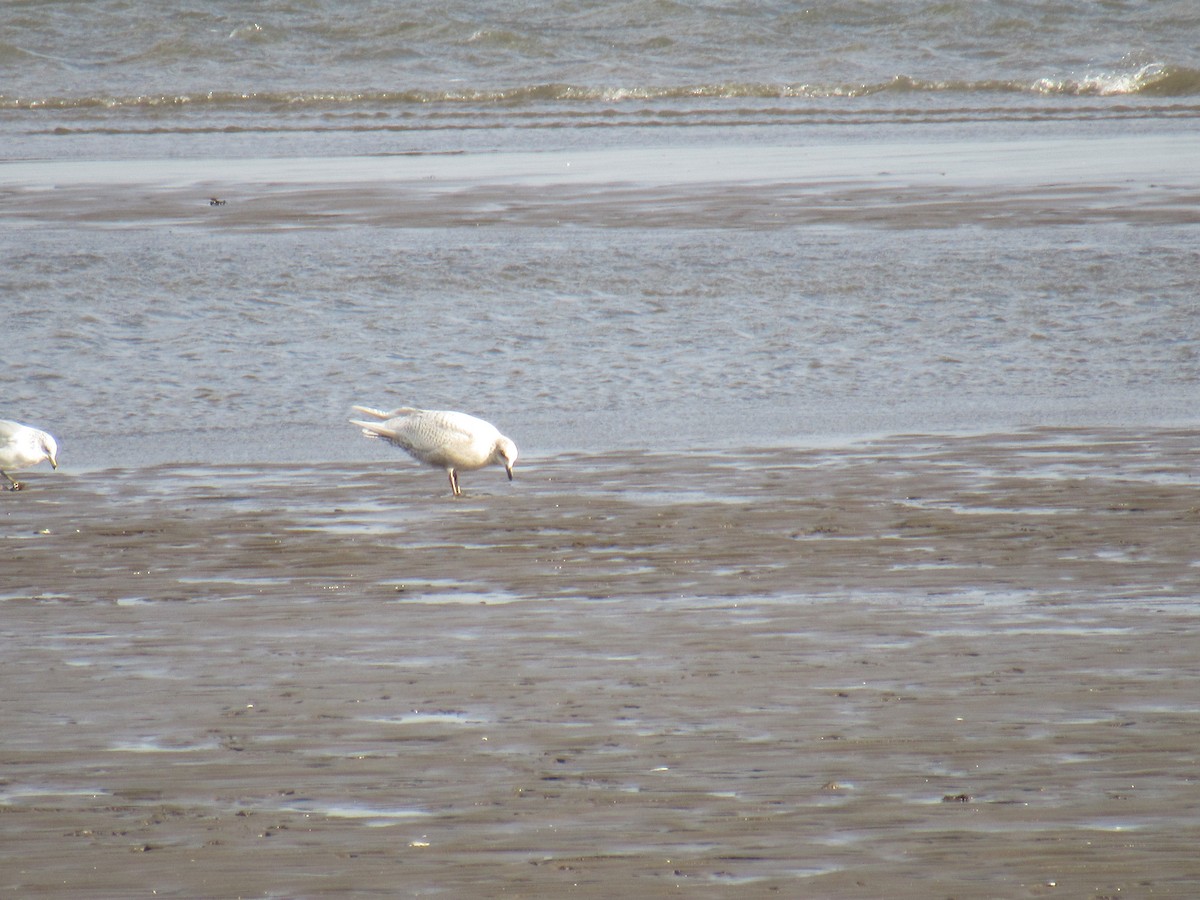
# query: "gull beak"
{"points": [[508, 469], [53, 463]]}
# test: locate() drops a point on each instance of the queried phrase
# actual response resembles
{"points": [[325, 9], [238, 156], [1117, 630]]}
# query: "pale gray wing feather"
{"points": [[445, 438], [437, 437]]}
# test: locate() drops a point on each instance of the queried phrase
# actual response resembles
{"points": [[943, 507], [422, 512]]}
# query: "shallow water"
{"points": [[636, 227], [208, 343]]}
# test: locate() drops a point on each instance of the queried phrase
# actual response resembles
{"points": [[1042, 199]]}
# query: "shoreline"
{"points": [[319, 443]]}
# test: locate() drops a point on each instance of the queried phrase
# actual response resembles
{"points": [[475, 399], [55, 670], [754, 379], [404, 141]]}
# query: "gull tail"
{"points": [[374, 429], [381, 415]]}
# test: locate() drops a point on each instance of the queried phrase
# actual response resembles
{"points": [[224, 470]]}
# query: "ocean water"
{"points": [[646, 224]]}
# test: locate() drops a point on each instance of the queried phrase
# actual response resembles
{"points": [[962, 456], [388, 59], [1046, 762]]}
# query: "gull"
{"points": [[452, 441], [21, 447]]}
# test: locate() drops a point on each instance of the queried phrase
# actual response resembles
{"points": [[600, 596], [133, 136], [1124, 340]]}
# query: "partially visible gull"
{"points": [[22, 446]]}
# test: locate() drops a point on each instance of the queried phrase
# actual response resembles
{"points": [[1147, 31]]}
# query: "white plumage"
{"points": [[22, 446], [447, 440]]}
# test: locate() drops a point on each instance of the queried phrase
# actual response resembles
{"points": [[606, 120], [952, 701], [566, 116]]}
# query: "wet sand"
{"points": [[1140, 180], [923, 666]]}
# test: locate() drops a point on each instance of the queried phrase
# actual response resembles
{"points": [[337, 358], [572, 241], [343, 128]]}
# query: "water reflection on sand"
{"points": [[836, 671]]}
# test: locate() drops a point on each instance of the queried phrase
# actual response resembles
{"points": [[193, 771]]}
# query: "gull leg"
{"points": [[454, 483], [15, 485]]}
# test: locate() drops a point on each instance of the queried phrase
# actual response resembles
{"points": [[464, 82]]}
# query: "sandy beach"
{"points": [[918, 666]]}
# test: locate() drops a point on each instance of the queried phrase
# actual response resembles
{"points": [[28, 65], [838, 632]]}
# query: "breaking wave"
{"points": [[1156, 80]]}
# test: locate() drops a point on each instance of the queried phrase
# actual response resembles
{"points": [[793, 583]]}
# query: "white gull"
{"points": [[452, 441], [22, 446]]}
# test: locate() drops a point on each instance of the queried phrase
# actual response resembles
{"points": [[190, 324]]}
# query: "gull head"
{"points": [[50, 448], [506, 454]]}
